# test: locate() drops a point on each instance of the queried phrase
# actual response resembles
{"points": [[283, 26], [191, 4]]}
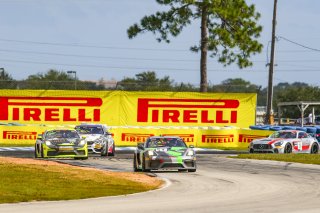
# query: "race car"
{"points": [[286, 141], [60, 143], [98, 138], [163, 153]]}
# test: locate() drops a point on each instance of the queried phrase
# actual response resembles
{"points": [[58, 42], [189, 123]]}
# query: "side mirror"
{"points": [[83, 137], [140, 146], [108, 133], [40, 136], [191, 146]]}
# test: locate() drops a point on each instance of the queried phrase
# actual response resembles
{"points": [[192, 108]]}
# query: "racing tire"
{"points": [[104, 151], [135, 167], [113, 153], [81, 158], [192, 170], [314, 149], [287, 148], [35, 151], [251, 151], [144, 165], [41, 152]]}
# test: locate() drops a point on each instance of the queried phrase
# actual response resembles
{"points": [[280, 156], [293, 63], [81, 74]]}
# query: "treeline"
{"points": [[148, 81]]}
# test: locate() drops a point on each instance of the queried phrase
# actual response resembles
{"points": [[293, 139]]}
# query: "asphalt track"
{"points": [[220, 185]]}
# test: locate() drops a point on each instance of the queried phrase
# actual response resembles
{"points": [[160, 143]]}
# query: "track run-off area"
{"points": [[221, 184]]}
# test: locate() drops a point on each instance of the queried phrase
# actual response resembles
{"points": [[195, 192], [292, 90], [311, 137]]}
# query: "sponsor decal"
{"points": [[243, 138], [188, 138], [46, 109], [220, 111], [19, 135], [218, 138], [134, 137]]}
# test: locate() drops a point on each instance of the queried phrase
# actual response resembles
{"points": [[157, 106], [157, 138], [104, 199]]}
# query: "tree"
{"points": [[53, 79], [147, 81], [228, 29], [6, 80]]}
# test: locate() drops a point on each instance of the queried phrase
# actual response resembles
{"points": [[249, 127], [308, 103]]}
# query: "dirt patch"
{"points": [[137, 177]]}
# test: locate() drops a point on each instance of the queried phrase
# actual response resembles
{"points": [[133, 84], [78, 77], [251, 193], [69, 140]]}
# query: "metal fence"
{"points": [[114, 85]]}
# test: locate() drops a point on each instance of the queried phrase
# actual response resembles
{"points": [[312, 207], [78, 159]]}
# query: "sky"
{"points": [[89, 37]]}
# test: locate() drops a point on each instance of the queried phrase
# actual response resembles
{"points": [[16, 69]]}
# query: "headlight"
{"points": [[278, 143], [190, 153], [82, 143], [48, 143], [150, 153]]}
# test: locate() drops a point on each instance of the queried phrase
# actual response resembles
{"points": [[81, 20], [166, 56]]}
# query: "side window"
{"points": [[300, 135]]}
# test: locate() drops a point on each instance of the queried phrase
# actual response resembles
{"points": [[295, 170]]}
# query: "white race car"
{"points": [[98, 138], [286, 141]]}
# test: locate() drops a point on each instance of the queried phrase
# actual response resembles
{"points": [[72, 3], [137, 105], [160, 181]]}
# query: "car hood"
{"points": [[170, 151], [91, 137], [58, 141], [269, 140]]}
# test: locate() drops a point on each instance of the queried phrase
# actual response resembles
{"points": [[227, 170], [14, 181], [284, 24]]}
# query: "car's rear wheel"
{"points": [[314, 148], [192, 170], [288, 148]]}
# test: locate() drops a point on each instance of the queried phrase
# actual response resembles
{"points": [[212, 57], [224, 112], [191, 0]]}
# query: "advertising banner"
{"points": [[121, 108]]}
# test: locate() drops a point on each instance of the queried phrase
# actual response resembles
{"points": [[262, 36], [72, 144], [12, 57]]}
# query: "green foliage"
{"points": [[146, 81], [230, 25], [285, 92], [6, 81], [235, 85]]}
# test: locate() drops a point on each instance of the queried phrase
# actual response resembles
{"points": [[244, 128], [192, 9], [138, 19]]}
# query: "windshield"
{"points": [[283, 135], [165, 142], [89, 130], [62, 134]]}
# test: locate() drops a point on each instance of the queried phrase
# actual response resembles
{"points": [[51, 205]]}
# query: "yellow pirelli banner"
{"points": [[121, 108], [130, 136]]}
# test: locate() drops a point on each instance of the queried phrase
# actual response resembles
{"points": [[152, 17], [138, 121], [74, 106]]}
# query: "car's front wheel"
{"points": [[35, 151], [135, 166], [144, 165], [104, 150]]}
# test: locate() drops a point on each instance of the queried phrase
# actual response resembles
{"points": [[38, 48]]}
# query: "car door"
{"points": [[306, 141]]}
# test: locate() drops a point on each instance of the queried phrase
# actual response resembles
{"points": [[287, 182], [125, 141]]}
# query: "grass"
{"points": [[296, 158], [22, 182]]}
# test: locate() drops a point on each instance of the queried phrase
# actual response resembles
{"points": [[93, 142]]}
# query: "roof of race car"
{"points": [[153, 137], [92, 125]]}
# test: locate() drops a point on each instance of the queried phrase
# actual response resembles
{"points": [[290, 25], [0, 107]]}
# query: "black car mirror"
{"points": [[140, 146]]}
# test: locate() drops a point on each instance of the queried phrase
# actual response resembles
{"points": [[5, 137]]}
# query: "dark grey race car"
{"points": [[163, 153]]}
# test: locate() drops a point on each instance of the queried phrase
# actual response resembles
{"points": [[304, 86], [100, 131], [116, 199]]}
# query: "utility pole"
{"points": [[271, 65]]}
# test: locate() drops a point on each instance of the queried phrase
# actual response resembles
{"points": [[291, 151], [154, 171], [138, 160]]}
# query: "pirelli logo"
{"points": [[219, 111], [218, 138], [188, 138], [243, 138], [134, 137], [50, 109], [19, 135]]}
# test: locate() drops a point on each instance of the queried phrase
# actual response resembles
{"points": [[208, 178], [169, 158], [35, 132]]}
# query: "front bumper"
{"points": [[65, 152], [170, 163], [266, 148]]}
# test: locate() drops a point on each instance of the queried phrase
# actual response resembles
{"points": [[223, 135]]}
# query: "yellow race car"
{"points": [[61, 143]]}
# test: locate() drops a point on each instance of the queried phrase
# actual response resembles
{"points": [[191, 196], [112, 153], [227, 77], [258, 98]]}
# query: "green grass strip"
{"points": [[295, 158], [28, 182]]}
